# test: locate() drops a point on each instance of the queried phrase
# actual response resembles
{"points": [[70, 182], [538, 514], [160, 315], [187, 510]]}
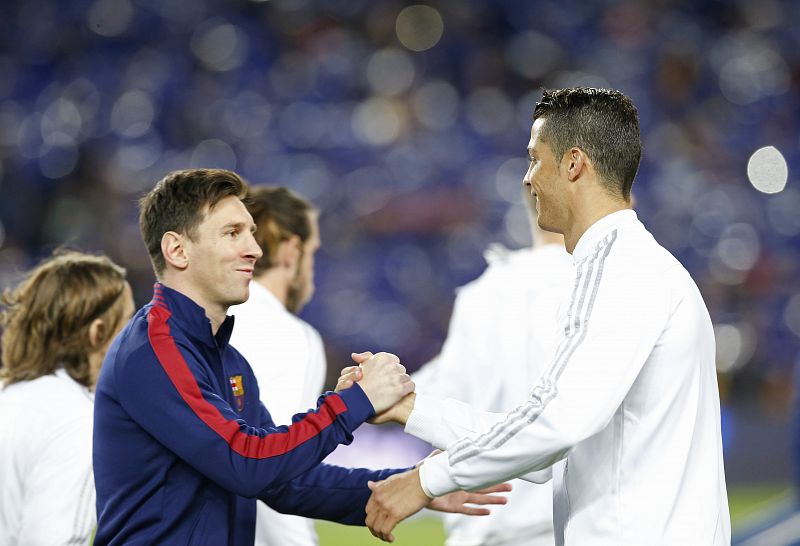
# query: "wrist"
{"points": [[404, 408], [421, 482]]}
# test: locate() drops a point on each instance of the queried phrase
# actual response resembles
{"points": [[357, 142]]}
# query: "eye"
{"points": [[232, 233]]}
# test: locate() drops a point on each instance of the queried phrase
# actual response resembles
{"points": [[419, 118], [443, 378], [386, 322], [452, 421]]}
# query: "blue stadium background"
{"points": [[406, 124]]}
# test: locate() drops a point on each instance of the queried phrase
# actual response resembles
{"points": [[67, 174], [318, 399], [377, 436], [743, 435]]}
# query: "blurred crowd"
{"points": [[406, 124]]}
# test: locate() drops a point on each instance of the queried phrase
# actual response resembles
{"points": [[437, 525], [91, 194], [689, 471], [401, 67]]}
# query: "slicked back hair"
{"points": [[278, 214], [47, 316], [178, 203], [603, 123]]}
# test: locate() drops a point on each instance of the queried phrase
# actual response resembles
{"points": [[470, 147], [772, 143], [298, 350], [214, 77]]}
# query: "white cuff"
{"points": [[422, 482], [434, 476], [425, 419]]}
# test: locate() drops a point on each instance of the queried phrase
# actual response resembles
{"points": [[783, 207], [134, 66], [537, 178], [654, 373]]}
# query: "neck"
{"points": [[215, 312], [587, 212], [543, 238], [274, 281]]}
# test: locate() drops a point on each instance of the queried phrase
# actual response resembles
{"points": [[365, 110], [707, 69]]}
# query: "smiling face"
{"points": [[546, 180], [221, 256]]}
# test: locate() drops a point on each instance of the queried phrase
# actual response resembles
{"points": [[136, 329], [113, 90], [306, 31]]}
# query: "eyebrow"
{"points": [[238, 225]]}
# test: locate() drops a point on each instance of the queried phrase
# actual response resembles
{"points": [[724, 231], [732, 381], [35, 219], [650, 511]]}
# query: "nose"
{"points": [[526, 180], [253, 250]]}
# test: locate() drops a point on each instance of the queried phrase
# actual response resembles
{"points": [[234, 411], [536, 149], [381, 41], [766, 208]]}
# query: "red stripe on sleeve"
{"points": [[251, 446]]}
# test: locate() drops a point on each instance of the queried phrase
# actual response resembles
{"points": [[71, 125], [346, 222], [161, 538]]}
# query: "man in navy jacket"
{"points": [[182, 445]]}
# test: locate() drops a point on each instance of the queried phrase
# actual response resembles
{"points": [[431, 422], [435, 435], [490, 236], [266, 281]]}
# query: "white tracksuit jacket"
{"points": [[47, 493], [630, 401], [502, 334]]}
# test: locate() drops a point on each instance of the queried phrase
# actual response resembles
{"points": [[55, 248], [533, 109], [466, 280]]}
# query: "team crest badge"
{"points": [[238, 391]]}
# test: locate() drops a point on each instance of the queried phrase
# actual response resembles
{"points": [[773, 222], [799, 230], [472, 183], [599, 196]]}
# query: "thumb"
{"points": [[358, 358], [372, 485]]}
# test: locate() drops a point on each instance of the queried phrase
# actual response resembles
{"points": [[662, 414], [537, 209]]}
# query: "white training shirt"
{"points": [[502, 334], [630, 401], [47, 493], [287, 356]]}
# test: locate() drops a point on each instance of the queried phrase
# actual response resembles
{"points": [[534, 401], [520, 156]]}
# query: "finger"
{"points": [[372, 487], [377, 525], [358, 358], [348, 370], [401, 368], [475, 498], [408, 388], [371, 513], [473, 511], [499, 488], [352, 376], [343, 385], [388, 526]]}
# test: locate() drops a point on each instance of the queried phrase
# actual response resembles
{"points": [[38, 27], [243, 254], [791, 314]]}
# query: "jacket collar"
{"points": [[594, 236], [191, 318]]}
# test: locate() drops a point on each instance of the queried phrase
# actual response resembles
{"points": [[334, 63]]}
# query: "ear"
{"points": [[97, 331], [576, 163], [173, 248], [288, 252]]}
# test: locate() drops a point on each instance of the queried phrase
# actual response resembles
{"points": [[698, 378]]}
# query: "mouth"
{"points": [[247, 271]]}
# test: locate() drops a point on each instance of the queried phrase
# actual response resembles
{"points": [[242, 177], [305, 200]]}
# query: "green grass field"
{"points": [[745, 502]]}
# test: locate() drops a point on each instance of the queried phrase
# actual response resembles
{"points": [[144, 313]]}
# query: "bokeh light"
{"points": [[419, 27], [767, 170]]}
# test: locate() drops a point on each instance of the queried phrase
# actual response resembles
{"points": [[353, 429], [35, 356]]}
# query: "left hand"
{"points": [[401, 495], [457, 501]]}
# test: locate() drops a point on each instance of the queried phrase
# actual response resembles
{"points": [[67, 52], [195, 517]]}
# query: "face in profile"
{"points": [[545, 182], [302, 287], [222, 255]]}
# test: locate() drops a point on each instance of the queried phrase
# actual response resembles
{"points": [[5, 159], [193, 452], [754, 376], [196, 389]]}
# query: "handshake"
{"points": [[391, 392], [385, 382]]}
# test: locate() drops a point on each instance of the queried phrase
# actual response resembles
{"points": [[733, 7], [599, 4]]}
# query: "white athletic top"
{"points": [[46, 483], [287, 356], [502, 334], [630, 401]]}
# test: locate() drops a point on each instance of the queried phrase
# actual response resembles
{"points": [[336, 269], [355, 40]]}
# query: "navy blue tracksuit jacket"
{"points": [[183, 447]]}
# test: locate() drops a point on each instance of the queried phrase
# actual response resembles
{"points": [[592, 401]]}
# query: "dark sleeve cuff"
{"points": [[359, 408]]}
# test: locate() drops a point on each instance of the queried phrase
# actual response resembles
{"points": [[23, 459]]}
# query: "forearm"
{"points": [[441, 422], [327, 492]]}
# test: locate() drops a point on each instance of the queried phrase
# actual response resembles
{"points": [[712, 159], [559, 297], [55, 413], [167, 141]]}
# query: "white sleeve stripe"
{"points": [[83, 522], [546, 390]]}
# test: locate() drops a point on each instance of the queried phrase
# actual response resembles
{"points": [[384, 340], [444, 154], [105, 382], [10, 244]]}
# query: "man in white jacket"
{"points": [[508, 316], [630, 400], [286, 352]]}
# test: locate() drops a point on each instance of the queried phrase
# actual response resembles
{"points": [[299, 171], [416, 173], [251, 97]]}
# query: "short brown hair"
{"points": [[603, 123], [46, 317], [278, 214], [177, 204]]}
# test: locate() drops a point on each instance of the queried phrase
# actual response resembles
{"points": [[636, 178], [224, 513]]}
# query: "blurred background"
{"points": [[406, 125]]}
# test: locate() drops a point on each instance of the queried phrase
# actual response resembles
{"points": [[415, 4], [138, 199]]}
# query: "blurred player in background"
{"points": [[630, 400], [502, 334], [285, 352], [57, 325]]}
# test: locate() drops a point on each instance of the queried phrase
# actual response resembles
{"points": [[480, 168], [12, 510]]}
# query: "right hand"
{"points": [[383, 379]]}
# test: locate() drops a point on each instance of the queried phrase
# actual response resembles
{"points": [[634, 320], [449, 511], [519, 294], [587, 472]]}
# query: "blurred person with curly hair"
{"points": [[57, 324]]}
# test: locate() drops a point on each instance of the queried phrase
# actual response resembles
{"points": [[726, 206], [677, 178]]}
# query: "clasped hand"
{"points": [[401, 496], [382, 378]]}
